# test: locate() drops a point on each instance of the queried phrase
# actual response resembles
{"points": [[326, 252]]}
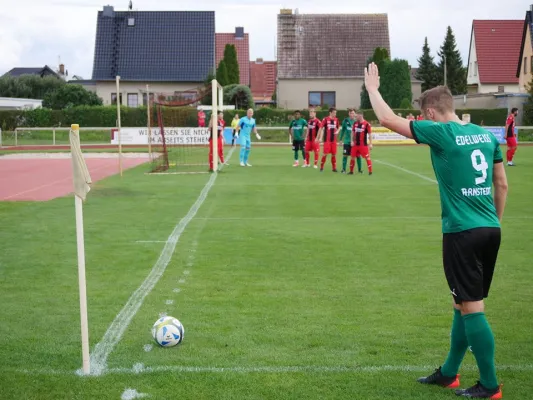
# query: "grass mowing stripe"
{"points": [[406, 171], [141, 369], [121, 322]]}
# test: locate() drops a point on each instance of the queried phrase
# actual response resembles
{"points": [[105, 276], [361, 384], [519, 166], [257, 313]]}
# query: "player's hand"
{"points": [[370, 146], [352, 144], [258, 136], [372, 77]]}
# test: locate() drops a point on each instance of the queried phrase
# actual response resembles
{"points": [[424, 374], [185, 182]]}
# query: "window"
{"points": [[322, 98], [133, 100], [114, 98], [525, 65], [145, 103], [470, 70], [501, 89], [475, 68]]}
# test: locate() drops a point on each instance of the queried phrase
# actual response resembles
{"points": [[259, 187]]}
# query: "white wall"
{"points": [[294, 93], [473, 73]]}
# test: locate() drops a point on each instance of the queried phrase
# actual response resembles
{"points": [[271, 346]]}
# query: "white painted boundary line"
{"points": [[406, 171], [121, 322], [141, 369]]}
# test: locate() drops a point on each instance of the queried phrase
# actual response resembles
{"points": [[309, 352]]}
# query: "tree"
{"points": [[222, 74], [238, 95], [70, 95], [208, 99], [395, 82], [455, 71], [28, 86], [427, 70], [379, 57], [232, 64]]}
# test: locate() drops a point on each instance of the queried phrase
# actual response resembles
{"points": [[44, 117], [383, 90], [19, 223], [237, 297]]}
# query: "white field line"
{"points": [[141, 369], [121, 322], [406, 171]]}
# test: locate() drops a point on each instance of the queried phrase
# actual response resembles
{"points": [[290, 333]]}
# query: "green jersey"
{"points": [[463, 158], [297, 126], [346, 130]]}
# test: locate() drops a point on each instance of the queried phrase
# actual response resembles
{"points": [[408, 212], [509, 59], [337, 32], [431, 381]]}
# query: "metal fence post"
{"points": [[54, 136]]}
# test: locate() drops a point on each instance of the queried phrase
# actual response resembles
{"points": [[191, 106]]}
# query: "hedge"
{"points": [[105, 116]]}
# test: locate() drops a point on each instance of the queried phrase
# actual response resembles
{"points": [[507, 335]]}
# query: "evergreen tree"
{"points": [[455, 71], [380, 56], [395, 82], [222, 74], [427, 70], [232, 64]]}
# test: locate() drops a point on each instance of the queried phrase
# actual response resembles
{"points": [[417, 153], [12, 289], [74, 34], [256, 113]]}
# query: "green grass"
{"points": [[291, 268]]}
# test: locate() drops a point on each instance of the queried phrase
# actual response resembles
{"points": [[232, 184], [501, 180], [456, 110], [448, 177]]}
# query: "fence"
{"points": [[102, 136]]}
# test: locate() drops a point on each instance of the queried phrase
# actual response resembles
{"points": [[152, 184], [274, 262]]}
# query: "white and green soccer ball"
{"points": [[168, 331]]}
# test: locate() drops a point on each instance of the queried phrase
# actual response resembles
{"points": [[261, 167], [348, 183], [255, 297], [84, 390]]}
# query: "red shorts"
{"points": [[312, 146], [360, 151], [511, 142], [201, 124], [330, 148]]}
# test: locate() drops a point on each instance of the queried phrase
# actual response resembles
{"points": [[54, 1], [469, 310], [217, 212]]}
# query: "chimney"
{"points": [[259, 61], [62, 69], [109, 11], [239, 32]]}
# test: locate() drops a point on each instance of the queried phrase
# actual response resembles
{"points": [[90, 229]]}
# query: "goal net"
{"points": [[179, 144]]}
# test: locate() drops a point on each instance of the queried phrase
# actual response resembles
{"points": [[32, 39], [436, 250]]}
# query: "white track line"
{"points": [[139, 368], [121, 322], [405, 170]]}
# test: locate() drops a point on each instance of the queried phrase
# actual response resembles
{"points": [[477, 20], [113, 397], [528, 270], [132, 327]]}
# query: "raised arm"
{"points": [[386, 116]]}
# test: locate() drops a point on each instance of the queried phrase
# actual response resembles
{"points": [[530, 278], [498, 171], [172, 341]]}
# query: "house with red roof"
{"points": [[263, 75], [494, 51], [524, 71], [241, 41]]}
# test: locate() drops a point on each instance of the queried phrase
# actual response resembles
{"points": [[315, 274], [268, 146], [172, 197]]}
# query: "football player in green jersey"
{"points": [[468, 164], [346, 137], [296, 132]]}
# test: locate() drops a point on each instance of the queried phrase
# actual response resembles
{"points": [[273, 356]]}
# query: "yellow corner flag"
{"points": [[81, 177]]}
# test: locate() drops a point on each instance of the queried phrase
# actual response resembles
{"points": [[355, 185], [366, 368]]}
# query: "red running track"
{"points": [[46, 179]]}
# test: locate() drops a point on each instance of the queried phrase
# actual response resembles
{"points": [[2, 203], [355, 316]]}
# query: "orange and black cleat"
{"points": [[436, 378], [478, 391]]}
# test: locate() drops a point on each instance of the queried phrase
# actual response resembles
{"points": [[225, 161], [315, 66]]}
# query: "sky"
{"points": [[34, 33]]}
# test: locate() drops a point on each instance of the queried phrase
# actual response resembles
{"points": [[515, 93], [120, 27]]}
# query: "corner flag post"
{"points": [[214, 122], [81, 180], [119, 127]]}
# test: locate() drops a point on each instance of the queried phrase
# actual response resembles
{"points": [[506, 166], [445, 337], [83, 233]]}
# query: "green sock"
{"points": [[344, 162], [459, 344], [481, 339], [359, 166], [296, 155]]}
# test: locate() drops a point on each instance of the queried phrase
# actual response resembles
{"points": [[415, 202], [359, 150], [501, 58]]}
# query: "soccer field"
{"points": [[290, 284]]}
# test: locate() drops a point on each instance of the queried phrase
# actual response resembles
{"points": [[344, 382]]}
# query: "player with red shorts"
{"points": [[361, 143], [201, 119], [220, 140], [510, 136], [328, 134], [311, 138]]}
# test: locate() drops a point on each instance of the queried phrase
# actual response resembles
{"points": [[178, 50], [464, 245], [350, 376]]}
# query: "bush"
{"points": [[105, 116]]}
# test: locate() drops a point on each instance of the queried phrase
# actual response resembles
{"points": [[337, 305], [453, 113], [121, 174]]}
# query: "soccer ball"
{"points": [[168, 331]]}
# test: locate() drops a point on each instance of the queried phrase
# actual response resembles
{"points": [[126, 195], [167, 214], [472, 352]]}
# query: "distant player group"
{"points": [[306, 136], [354, 132]]}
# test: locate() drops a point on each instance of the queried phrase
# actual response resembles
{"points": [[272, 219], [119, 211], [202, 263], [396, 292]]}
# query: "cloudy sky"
{"points": [[35, 32]]}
